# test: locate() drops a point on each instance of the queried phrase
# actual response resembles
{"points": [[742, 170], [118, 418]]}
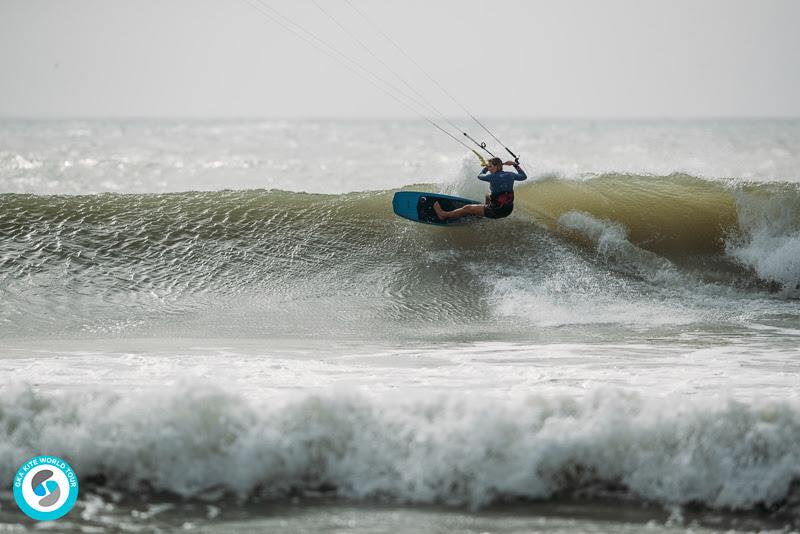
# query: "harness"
{"points": [[503, 199]]}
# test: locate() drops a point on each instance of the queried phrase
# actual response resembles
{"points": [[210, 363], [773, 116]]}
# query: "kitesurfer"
{"points": [[499, 201]]}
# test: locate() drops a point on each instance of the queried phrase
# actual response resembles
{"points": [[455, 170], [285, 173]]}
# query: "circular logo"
{"points": [[45, 488]]}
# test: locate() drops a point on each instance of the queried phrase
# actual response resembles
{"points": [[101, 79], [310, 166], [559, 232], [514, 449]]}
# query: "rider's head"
{"points": [[495, 162]]}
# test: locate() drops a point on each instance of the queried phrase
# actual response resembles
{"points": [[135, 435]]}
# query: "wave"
{"points": [[202, 442], [672, 215], [681, 218], [675, 216], [123, 257]]}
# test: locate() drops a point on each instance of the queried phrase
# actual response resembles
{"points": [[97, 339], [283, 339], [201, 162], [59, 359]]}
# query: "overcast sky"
{"points": [[500, 58]]}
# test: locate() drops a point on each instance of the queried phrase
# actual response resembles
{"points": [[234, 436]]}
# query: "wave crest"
{"points": [[203, 442]]}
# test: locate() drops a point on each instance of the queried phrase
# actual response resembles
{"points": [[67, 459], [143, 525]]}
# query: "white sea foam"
{"points": [[194, 440], [769, 239], [550, 305], [560, 298]]}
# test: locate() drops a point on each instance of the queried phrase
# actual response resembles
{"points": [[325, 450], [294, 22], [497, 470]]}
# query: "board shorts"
{"points": [[499, 206]]}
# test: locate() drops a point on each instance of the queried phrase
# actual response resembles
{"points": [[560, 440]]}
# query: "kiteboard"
{"points": [[418, 207]]}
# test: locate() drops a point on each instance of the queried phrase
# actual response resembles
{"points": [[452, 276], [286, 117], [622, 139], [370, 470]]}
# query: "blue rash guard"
{"points": [[503, 181]]}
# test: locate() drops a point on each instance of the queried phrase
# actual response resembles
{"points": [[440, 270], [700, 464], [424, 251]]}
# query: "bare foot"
{"points": [[439, 211]]}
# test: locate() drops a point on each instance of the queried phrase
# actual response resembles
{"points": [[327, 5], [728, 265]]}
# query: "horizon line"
{"points": [[200, 118]]}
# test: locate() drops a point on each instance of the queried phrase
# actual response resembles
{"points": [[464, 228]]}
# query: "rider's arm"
{"points": [[482, 175], [520, 175]]}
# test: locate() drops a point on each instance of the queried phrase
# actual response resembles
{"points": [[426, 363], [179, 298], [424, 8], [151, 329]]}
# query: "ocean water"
{"points": [[222, 326]]}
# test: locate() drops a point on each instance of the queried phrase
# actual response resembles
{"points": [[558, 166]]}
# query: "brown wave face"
{"points": [[673, 215]]}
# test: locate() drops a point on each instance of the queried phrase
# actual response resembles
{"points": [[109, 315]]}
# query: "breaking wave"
{"points": [[124, 258], [201, 442]]}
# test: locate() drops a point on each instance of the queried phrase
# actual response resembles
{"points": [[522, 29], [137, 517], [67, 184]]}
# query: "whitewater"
{"points": [[221, 325]]}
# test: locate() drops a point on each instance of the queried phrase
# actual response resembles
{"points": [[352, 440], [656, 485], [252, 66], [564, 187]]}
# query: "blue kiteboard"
{"points": [[418, 207]]}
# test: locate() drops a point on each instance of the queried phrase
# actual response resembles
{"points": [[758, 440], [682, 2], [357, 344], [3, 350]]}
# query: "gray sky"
{"points": [[500, 58]]}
